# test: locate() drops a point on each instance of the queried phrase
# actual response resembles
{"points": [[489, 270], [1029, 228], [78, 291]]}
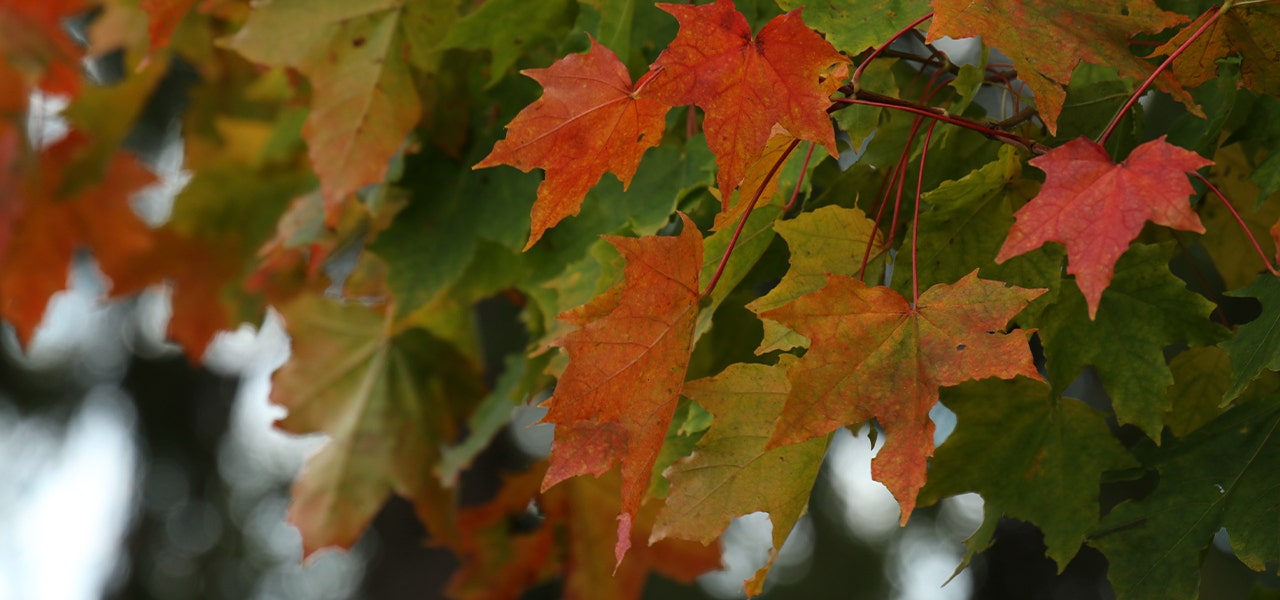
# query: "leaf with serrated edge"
{"points": [[874, 356], [1146, 310], [731, 472], [1029, 455], [627, 362], [746, 84]]}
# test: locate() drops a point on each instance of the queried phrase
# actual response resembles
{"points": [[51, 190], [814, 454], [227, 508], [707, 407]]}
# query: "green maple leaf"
{"points": [[504, 27], [1256, 346], [1222, 475], [731, 471], [1031, 456], [1144, 310], [970, 219], [856, 25], [389, 400]]}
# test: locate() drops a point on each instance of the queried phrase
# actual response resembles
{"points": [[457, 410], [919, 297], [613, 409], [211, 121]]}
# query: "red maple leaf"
{"points": [[744, 84], [874, 356], [1095, 207], [589, 120], [627, 363]]}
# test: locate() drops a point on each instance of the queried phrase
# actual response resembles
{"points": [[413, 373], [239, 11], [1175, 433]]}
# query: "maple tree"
{"points": [[705, 297]]}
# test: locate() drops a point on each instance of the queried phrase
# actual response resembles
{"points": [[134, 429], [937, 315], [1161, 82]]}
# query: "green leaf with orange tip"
{"points": [[1031, 456], [1145, 310], [360, 59], [1223, 475], [389, 401], [830, 240], [746, 83], [731, 471], [627, 361], [1096, 31], [874, 356], [590, 120]]}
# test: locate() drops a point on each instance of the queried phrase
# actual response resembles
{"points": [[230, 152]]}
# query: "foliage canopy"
{"points": [[706, 297]]}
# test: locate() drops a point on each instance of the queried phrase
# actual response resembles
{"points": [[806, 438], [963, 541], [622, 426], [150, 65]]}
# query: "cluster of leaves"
{"points": [[715, 309]]}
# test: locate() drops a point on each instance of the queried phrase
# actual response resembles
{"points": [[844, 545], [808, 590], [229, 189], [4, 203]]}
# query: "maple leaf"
{"points": [[589, 120], [1097, 31], [357, 57], [1246, 31], [571, 543], [198, 312], [1222, 475], [1095, 207], [1255, 346], [744, 84], [1201, 377], [32, 39], [731, 472], [829, 240], [389, 399], [1148, 309], [627, 362], [1030, 455], [49, 229], [874, 356], [856, 25], [164, 16]]}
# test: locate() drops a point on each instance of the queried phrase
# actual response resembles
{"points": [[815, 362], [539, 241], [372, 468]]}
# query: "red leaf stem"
{"points": [[1245, 228], [915, 220], [1142, 89], [857, 73], [742, 221]]}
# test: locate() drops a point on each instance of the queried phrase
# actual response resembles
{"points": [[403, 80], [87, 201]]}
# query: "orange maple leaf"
{"points": [[199, 312], [1095, 207], [627, 363], [873, 356], [744, 84], [48, 229], [589, 120]]}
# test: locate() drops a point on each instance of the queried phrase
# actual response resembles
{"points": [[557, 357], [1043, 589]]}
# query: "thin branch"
{"points": [[742, 221], [1243, 227], [1217, 12], [857, 73], [915, 220], [882, 101]]}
